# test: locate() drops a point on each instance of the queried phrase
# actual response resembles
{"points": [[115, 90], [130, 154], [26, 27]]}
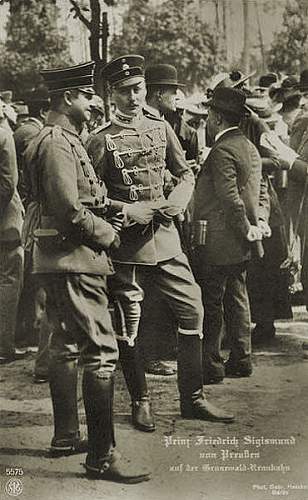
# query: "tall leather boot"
{"points": [[134, 374], [103, 461], [192, 400], [63, 389]]}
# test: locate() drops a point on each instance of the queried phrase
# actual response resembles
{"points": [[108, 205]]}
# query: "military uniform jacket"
{"points": [[71, 237], [227, 196], [11, 208], [22, 137], [131, 158]]}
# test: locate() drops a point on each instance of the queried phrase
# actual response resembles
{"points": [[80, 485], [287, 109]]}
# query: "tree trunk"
{"points": [[261, 40], [105, 34], [95, 30], [247, 35]]}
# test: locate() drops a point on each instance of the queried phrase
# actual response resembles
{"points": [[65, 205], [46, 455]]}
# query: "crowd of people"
{"points": [[179, 217]]}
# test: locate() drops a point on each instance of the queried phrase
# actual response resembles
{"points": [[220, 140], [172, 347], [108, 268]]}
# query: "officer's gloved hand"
{"points": [[117, 221], [165, 214], [140, 212], [265, 229]]}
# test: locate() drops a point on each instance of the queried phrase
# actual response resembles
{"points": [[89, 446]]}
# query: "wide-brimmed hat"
{"points": [[124, 71], [162, 74], [263, 106], [229, 100], [232, 80], [265, 81], [285, 90], [80, 76]]}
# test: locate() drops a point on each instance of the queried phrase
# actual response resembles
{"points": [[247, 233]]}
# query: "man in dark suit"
{"points": [[227, 197]]}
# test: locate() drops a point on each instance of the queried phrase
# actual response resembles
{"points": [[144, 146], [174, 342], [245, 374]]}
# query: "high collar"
{"points": [[55, 118], [126, 120]]}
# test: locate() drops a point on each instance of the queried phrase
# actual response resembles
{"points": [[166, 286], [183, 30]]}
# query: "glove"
{"points": [[254, 233], [265, 229], [139, 212], [117, 221]]}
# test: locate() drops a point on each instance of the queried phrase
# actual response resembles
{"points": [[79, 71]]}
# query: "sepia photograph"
{"points": [[153, 249]]}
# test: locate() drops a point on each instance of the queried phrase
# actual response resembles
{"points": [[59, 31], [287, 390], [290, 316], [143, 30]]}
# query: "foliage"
{"points": [[288, 52], [33, 42], [171, 33]]}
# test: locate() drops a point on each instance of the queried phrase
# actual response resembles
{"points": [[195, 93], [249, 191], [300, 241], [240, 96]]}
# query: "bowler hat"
{"points": [[265, 81], [125, 70], [229, 100], [303, 81], [72, 77], [162, 74]]}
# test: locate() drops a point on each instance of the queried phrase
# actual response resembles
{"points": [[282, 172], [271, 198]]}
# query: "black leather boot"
{"points": [[102, 461], [193, 402], [134, 374], [63, 389]]}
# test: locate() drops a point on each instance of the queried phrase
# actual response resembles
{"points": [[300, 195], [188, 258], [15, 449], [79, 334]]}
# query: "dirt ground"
{"points": [[189, 459]]}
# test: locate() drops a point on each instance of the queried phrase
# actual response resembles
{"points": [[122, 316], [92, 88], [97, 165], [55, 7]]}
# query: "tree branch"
{"points": [[80, 15]]}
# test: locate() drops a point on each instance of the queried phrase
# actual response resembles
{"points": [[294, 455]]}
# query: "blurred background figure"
{"points": [[22, 112], [32, 324], [288, 94], [11, 252]]}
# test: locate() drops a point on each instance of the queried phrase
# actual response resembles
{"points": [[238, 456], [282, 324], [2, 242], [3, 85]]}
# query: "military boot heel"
{"points": [[115, 468], [202, 409]]}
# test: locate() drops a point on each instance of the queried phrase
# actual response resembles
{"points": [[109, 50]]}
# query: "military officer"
{"points": [[70, 255], [32, 324], [130, 154]]}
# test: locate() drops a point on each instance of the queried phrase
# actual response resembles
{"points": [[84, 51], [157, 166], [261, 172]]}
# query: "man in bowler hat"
{"points": [[130, 154], [72, 241], [157, 322], [227, 197]]}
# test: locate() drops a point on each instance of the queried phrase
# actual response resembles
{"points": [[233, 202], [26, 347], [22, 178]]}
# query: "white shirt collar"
{"points": [[223, 132]]}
